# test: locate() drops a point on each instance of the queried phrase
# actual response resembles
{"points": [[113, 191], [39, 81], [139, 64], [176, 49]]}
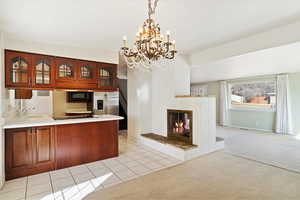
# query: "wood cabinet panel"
{"points": [[44, 145], [23, 94], [29, 151], [86, 142], [18, 69], [86, 71], [65, 69], [43, 73], [18, 152], [107, 76]]}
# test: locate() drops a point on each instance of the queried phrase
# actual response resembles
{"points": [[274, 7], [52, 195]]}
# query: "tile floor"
{"points": [[77, 182]]}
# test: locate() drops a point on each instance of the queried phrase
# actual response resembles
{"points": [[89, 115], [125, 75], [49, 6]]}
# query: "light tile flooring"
{"points": [[77, 182]]}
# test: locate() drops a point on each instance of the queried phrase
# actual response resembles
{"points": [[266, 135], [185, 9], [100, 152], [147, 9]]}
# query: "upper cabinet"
{"points": [[86, 74], [65, 69], [42, 71], [26, 70], [86, 71], [18, 69], [107, 76], [35, 71], [65, 73]]}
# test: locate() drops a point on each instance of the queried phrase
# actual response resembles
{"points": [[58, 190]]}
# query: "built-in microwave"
{"points": [[80, 96]]}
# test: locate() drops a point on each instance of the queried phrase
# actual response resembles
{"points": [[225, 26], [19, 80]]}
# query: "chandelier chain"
{"points": [[152, 8]]}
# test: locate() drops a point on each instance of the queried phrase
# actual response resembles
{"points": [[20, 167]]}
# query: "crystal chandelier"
{"points": [[151, 48]]}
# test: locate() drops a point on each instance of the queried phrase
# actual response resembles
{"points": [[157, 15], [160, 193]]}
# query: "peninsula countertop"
{"points": [[45, 120]]}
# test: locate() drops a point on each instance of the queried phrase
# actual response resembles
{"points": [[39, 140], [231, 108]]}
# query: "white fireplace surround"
{"points": [[204, 128]]}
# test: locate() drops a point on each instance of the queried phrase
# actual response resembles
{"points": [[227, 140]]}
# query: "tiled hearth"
{"points": [[77, 182]]}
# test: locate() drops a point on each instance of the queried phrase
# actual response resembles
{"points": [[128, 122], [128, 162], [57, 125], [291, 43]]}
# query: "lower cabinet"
{"points": [[86, 142], [29, 151], [35, 150]]}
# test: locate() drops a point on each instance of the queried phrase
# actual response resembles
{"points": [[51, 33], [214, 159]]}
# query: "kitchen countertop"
{"points": [[45, 120]]}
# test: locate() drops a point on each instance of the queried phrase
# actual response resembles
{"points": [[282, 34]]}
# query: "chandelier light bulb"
{"points": [[173, 44], [168, 35], [125, 41]]}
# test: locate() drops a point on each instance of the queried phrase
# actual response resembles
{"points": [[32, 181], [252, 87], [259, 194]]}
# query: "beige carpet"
{"points": [[215, 176]]}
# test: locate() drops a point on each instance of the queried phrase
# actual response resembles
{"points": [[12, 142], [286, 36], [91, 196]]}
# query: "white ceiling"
{"points": [[276, 60], [195, 24]]}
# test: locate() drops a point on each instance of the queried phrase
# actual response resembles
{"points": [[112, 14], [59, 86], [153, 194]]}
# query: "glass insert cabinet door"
{"points": [[42, 70], [65, 68], [86, 70], [106, 77], [18, 69]]}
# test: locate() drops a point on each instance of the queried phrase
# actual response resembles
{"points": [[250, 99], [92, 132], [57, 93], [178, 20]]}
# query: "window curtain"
{"points": [[224, 104], [283, 112], [199, 90]]}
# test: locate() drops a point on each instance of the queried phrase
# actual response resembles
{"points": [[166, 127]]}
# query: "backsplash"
{"points": [[61, 105], [41, 103]]}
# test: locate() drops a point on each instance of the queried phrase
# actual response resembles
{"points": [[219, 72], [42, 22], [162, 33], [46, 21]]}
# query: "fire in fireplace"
{"points": [[180, 125]]}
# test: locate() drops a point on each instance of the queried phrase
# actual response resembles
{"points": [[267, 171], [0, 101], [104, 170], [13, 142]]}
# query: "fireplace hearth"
{"points": [[180, 125]]}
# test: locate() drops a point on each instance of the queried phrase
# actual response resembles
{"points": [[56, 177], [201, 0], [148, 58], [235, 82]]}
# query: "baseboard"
{"points": [[253, 129]]}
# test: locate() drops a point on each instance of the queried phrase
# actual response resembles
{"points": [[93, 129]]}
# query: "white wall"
{"points": [[139, 99], [2, 178], [64, 51], [166, 84], [150, 93]]}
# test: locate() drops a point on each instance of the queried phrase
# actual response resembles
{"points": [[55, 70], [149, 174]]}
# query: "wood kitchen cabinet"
{"points": [[29, 151], [35, 150], [107, 76], [35, 71], [86, 74], [86, 142], [28, 71], [65, 69], [43, 71], [18, 69]]}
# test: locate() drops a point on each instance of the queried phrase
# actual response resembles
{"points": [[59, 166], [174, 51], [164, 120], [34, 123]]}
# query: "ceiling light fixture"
{"points": [[151, 47]]}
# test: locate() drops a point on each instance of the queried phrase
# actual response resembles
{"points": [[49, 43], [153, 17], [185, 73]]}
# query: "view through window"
{"points": [[259, 94]]}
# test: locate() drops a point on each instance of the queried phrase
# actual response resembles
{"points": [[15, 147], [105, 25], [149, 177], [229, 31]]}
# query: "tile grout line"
{"points": [[128, 168], [51, 184], [133, 147], [92, 175], [26, 187], [113, 173]]}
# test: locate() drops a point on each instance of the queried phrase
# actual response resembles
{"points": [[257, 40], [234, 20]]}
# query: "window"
{"points": [[258, 95], [199, 90]]}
